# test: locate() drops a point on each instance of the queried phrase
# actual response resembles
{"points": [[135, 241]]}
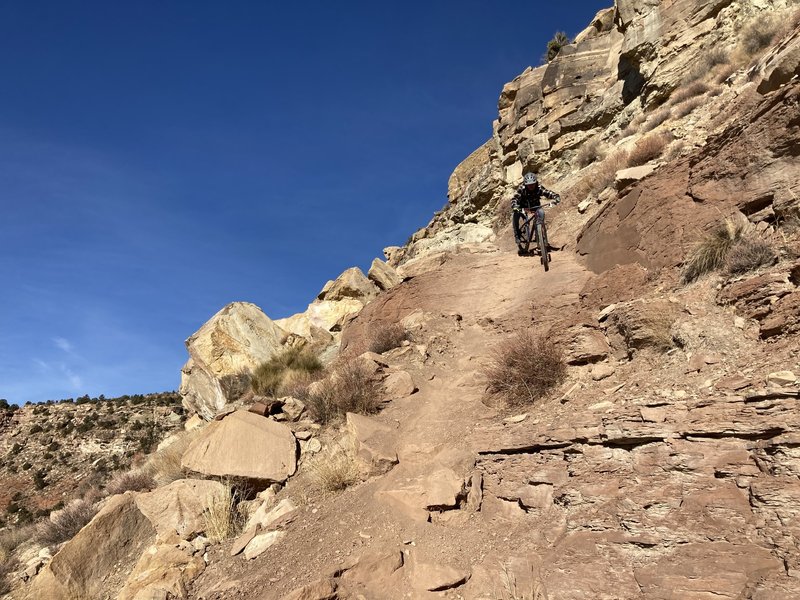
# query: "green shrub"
{"points": [[36, 429], [524, 368], [554, 46], [235, 385], [270, 375]]}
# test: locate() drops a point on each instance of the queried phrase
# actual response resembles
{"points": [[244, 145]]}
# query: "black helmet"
{"points": [[530, 179]]}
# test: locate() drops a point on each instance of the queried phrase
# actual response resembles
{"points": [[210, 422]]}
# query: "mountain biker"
{"points": [[529, 195]]}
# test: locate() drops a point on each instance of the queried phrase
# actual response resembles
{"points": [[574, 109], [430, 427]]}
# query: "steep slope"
{"points": [[667, 464]]}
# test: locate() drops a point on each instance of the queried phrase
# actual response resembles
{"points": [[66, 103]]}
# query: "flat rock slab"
{"points": [[374, 443], [178, 507], [434, 577], [244, 445], [261, 543], [627, 177]]}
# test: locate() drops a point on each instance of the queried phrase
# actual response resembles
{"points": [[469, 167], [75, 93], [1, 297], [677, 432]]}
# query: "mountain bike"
{"points": [[534, 231]]}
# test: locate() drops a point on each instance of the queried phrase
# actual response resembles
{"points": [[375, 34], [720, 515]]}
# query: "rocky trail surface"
{"points": [[656, 477]]}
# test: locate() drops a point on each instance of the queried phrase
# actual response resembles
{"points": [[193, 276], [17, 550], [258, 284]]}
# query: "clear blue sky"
{"points": [[161, 159]]}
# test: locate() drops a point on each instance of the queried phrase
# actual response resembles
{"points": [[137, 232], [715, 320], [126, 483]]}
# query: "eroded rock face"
{"points": [[245, 445], [177, 508], [237, 339]]}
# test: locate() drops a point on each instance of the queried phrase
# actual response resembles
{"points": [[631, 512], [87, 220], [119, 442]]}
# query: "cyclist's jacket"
{"points": [[532, 199]]}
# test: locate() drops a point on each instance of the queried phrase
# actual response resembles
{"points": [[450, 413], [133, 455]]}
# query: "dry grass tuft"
{"points": [[524, 368], [693, 90], [598, 179], [647, 149], [710, 60], [675, 150], [591, 151], [65, 523], [656, 119], [270, 375], [221, 514], [8, 565], [236, 385], [350, 387], [687, 107], [164, 466], [724, 73], [133, 481], [334, 469], [748, 254], [712, 251], [385, 336]]}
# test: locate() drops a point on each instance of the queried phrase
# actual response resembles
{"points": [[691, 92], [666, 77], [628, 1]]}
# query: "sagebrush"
{"points": [[748, 254], [268, 377], [349, 387], [647, 149], [65, 523], [524, 368], [133, 481], [554, 46], [386, 336]]}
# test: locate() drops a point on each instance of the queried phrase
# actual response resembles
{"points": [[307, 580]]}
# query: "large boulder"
{"points": [[350, 284], [234, 341], [374, 443], [246, 445], [383, 275], [111, 543], [177, 508], [163, 571]]}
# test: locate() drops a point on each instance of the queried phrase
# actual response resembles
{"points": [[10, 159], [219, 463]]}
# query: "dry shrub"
{"points": [[599, 178], [748, 254], [235, 385], [656, 119], [675, 150], [335, 468], [132, 481], [711, 252], [8, 565], [385, 336], [350, 387], [647, 149], [12, 538], [296, 384], [690, 91], [757, 36], [268, 376], [164, 465], [714, 57], [687, 107], [221, 514], [65, 523], [724, 73], [591, 151], [524, 368]]}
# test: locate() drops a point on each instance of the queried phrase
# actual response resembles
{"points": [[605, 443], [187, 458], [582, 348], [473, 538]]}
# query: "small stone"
{"points": [[606, 311], [679, 394], [312, 446], [302, 435], [516, 418], [602, 371], [584, 206], [602, 405], [739, 322], [781, 378]]}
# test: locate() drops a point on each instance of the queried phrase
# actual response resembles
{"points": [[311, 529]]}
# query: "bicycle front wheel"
{"points": [[541, 237]]}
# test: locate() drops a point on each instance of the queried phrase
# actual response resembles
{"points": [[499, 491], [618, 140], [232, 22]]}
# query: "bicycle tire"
{"points": [[541, 237], [525, 235]]}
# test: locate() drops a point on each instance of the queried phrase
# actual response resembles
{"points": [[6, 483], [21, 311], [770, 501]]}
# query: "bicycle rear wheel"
{"points": [[541, 237]]}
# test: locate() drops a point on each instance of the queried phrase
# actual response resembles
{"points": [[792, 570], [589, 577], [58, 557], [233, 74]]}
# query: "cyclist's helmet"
{"points": [[530, 180]]}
